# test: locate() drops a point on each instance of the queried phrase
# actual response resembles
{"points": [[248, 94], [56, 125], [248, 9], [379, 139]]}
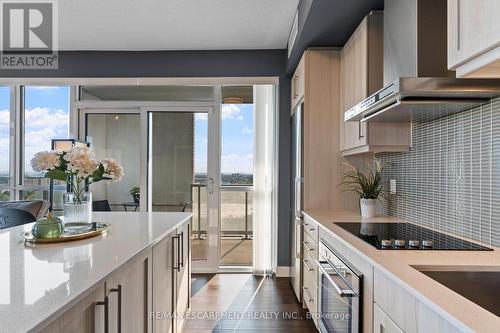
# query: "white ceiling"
{"points": [[174, 24]]}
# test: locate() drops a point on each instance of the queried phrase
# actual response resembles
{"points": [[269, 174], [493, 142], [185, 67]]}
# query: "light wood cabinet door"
{"points": [[382, 323], [183, 276], [474, 37], [163, 283], [129, 293], [360, 75], [298, 84], [86, 316]]}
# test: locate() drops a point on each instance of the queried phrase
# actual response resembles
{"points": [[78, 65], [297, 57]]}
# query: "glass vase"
{"points": [[78, 210]]}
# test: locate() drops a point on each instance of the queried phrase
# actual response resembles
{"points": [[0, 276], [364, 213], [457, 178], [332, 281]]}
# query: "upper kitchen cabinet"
{"points": [[319, 71], [474, 38], [362, 74], [298, 83]]}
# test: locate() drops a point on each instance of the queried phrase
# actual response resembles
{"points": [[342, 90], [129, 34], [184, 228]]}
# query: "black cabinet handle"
{"points": [[182, 249], [105, 303], [176, 266], [119, 291]]}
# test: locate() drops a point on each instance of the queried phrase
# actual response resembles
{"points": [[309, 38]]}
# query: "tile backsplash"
{"points": [[450, 179]]}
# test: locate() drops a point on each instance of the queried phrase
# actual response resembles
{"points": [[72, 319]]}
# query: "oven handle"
{"points": [[341, 292]]}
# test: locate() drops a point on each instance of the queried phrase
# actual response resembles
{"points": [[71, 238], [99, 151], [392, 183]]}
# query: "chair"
{"points": [[11, 217], [101, 206]]}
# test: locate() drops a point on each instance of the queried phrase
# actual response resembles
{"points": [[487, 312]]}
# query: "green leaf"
{"points": [[56, 175]]}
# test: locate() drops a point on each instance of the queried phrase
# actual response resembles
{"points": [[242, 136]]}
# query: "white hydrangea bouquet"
{"points": [[78, 167]]}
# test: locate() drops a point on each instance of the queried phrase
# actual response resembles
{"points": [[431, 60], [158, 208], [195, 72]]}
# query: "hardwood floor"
{"points": [[245, 303]]}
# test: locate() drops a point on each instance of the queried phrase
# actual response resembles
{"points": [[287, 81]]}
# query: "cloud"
{"points": [[46, 118], [4, 117], [236, 163], [231, 111], [201, 116], [247, 130], [42, 125], [44, 87]]}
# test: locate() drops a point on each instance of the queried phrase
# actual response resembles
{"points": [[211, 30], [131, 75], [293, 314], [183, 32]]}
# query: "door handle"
{"points": [[105, 303], [211, 184], [341, 292], [360, 130], [119, 310]]}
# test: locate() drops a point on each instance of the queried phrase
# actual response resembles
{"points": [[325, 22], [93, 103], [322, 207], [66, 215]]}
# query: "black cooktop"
{"points": [[407, 236]]}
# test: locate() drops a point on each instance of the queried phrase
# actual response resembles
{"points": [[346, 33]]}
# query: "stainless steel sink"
{"points": [[481, 285]]}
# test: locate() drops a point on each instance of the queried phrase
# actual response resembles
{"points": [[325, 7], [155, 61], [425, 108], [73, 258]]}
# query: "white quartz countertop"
{"points": [[38, 282], [399, 265]]}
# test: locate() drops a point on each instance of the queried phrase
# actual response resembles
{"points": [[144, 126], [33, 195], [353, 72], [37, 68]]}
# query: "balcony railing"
{"points": [[236, 211]]}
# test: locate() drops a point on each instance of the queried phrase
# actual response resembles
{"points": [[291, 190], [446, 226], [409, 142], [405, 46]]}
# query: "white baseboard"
{"points": [[283, 271]]}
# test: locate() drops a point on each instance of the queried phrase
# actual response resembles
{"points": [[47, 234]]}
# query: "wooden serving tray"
{"points": [[72, 232]]}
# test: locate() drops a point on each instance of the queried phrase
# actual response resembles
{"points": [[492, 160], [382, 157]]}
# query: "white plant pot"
{"points": [[368, 207]]}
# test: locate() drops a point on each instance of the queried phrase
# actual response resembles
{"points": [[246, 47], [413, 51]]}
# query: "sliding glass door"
{"points": [[212, 156], [180, 174]]}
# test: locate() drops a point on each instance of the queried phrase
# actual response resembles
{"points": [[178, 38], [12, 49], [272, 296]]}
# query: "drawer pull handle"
{"points": [[306, 264], [308, 294], [105, 303], [119, 310], [309, 227], [307, 247]]}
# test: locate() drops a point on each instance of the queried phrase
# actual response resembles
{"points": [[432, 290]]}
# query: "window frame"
{"points": [[17, 140]]}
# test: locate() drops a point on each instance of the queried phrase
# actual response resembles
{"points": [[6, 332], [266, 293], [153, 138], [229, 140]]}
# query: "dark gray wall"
{"points": [[193, 64], [328, 23]]}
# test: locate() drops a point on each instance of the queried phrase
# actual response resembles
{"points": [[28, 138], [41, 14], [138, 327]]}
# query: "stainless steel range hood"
{"points": [[419, 86], [423, 99]]}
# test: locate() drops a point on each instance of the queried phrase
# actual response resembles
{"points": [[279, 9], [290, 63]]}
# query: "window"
{"points": [[4, 143], [237, 144], [46, 117]]}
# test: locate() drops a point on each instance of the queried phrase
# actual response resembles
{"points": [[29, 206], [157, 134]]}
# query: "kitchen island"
{"points": [[100, 282]]}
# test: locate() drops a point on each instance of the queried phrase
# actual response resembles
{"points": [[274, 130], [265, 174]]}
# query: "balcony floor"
{"points": [[245, 294], [235, 252]]}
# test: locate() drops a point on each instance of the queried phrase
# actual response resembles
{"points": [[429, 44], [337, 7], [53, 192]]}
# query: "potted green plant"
{"points": [[135, 192], [367, 186]]}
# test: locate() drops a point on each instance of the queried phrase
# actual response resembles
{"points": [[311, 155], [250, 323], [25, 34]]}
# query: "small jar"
{"points": [[48, 227]]}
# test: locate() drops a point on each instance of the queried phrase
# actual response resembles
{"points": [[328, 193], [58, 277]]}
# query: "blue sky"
{"points": [[47, 117], [237, 139], [4, 128]]}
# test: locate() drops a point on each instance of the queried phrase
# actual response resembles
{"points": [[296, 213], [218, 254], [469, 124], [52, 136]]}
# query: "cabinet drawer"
{"points": [[382, 323], [311, 228], [405, 310], [311, 301], [310, 246], [310, 272], [395, 301]]}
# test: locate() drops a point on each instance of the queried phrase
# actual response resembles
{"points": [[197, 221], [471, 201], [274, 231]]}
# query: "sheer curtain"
{"points": [[265, 169]]}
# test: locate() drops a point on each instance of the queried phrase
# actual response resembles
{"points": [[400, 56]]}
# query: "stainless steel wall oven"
{"points": [[340, 293]]}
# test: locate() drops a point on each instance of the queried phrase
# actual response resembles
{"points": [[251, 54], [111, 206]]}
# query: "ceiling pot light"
{"points": [[233, 100]]}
